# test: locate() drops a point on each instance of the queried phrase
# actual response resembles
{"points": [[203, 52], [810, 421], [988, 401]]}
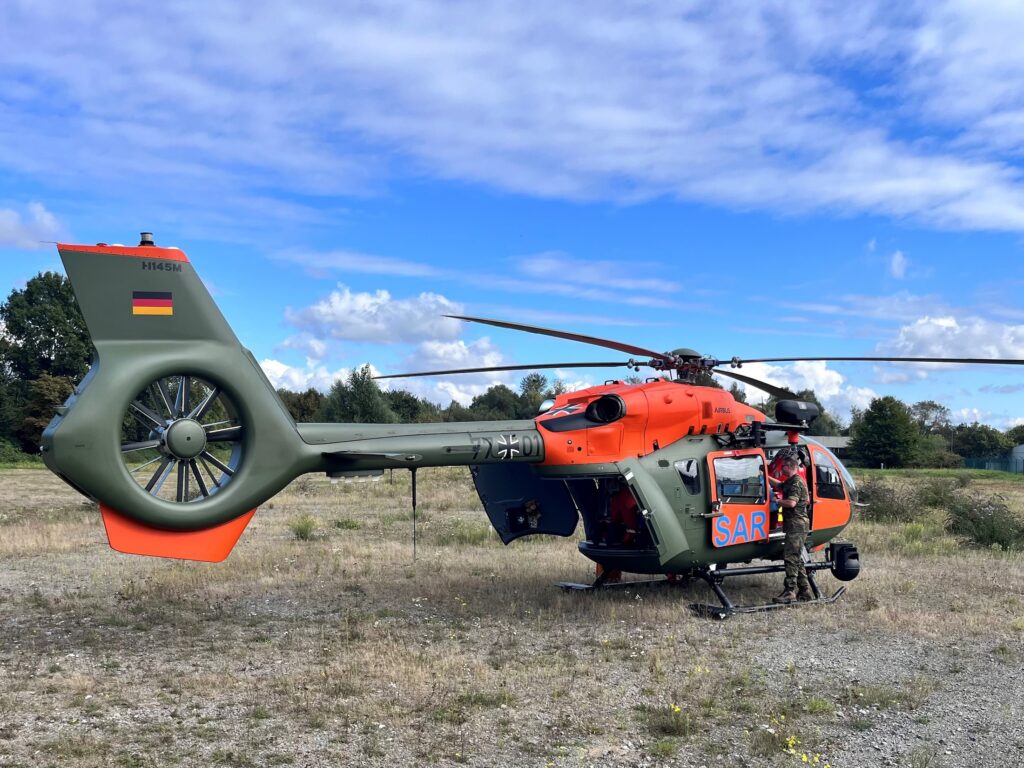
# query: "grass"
{"points": [[346, 646]]}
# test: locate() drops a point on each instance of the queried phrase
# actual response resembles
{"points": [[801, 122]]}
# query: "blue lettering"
{"points": [[757, 524], [721, 536], [740, 534]]}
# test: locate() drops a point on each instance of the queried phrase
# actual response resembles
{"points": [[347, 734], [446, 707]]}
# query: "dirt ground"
{"points": [[320, 642]]}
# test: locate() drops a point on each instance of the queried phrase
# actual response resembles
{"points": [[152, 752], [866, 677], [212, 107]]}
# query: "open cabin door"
{"points": [[739, 491], [831, 497], [666, 532], [519, 502]]}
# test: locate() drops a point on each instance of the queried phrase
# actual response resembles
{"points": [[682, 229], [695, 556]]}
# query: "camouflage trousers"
{"points": [[792, 554]]}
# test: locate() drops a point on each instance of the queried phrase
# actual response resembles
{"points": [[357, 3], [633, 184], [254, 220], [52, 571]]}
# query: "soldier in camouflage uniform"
{"points": [[795, 523]]}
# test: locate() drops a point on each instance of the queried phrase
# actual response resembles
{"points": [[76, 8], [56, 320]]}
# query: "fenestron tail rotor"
{"points": [[181, 439]]}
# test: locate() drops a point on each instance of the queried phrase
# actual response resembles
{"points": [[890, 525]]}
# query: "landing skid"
{"points": [[714, 577]]}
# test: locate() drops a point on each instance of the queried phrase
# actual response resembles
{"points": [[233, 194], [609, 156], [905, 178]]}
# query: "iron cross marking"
{"points": [[508, 447], [565, 409]]}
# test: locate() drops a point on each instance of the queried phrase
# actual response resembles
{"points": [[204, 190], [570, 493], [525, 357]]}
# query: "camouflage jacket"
{"points": [[796, 489]]}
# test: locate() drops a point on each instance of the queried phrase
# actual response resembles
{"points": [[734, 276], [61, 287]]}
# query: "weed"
{"points": [[861, 724], [304, 528], [669, 720], [484, 699], [1005, 653], [665, 747], [924, 757], [887, 502], [816, 705], [986, 521], [347, 524]]}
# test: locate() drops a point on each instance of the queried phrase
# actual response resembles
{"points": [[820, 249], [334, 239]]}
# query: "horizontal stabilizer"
{"points": [[209, 545]]}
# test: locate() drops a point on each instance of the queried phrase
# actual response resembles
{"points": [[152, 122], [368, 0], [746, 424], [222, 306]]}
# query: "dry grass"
{"points": [[337, 648]]}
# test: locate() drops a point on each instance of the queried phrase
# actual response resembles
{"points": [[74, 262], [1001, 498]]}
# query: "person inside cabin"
{"points": [[621, 527], [796, 524]]}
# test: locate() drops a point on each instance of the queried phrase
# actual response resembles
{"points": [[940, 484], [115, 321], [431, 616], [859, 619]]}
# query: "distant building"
{"points": [[838, 445]]}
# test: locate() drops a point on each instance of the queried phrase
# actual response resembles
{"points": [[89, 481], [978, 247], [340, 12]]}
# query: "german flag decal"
{"points": [[152, 303]]}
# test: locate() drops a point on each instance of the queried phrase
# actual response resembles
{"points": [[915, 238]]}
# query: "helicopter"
{"points": [[179, 436]]}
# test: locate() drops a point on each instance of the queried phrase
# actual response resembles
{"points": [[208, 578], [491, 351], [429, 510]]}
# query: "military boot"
{"points": [[804, 595], [787, 596]]}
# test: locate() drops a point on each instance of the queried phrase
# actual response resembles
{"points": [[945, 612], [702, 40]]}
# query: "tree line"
{"points": [[45, 349]]}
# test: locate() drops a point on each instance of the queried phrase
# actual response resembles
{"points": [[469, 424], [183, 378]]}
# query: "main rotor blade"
{"points": [[608, 343], [504, 368], [965, 360], [771, 389]]}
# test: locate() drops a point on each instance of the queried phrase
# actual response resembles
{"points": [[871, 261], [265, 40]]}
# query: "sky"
{"points": [[749, 179]]}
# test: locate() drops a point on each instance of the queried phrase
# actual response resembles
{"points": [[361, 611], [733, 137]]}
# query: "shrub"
{"points": [[304, 527], [10, 454], [936, 492], [988, 522], [886, 503]]}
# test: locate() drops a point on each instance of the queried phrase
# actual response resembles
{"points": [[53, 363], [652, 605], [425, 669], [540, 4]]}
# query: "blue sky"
{"points": [[749, 179]]}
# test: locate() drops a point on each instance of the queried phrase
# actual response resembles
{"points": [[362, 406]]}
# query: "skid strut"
{"points": [[714, 577]]}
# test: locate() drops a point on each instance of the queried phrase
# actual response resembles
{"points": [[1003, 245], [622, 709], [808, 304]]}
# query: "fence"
{"points": [[1006, 464]]}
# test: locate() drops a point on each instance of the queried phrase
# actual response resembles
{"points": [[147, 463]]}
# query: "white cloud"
{"points": [[27, 232], [352, 261], [304, 342], [739, 104], [620, 274], [437, 355], [361, 316], [1014, 422], [300, 379], [898, 265], [947, 336], [970, 416], [829, 385], [899, 306]]}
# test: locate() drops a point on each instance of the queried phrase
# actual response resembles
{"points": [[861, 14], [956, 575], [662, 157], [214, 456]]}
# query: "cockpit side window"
{"points": [[687, 469], [826, 478]]}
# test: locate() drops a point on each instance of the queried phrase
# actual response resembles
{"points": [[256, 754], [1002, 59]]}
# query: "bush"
{"points": [[887, 503], [10, 454], [936, 492], [304, 527], [988, 522]]}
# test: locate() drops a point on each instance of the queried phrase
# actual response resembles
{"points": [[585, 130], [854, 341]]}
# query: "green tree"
{"points": [[497, 403], [409, 408], [45, 330], [886, 434], [979, 441], [357, 400], [303, 406], [45, 395], [12, 405], [737, 393], [933, 451], [533, 390], [1016, 434], [932, 418]]}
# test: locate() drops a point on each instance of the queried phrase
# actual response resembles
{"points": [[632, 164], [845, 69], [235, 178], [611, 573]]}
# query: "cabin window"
{"points": [[827, 484], [687, 469], [740, 479]]}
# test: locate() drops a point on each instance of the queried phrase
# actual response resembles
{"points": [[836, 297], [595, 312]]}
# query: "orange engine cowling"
{"points": [[616, 420]]}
